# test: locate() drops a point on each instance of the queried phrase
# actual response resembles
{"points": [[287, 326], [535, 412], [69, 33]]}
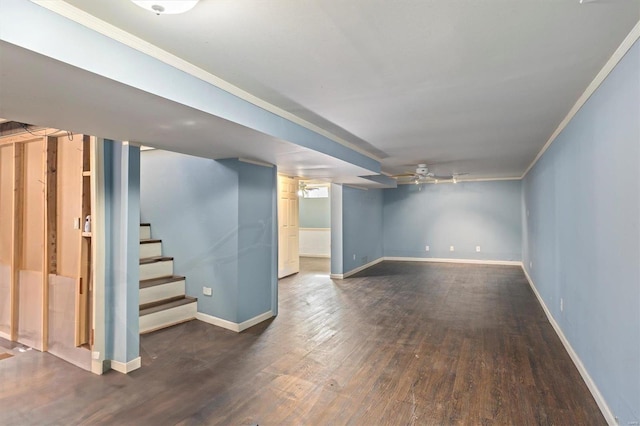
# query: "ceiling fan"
{"points": [[423, 175]]}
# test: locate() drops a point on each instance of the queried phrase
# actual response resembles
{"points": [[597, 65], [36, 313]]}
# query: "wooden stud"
{"points": [[49, 255], [16, 255], [51, 205]]}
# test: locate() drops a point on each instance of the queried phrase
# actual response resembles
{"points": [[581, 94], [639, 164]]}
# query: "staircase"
{"points": [[162, 299]]}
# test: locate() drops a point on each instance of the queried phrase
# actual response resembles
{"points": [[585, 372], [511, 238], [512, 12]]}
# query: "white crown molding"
{"points": [[602, 404], [83, 18], [255, 162], [624, 47], [447, 181]]}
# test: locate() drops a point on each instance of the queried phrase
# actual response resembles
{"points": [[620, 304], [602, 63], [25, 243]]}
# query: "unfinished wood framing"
{"points": [[16, 235], [45, 196]]}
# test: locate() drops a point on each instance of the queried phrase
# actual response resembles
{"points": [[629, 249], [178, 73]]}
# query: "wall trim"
{"points": [[255, 162], [595, 392], [126, 367], [443, 260], [233, 326], [325, 256], [461, 180], [98, 25], [624, 47], [356, 270]]}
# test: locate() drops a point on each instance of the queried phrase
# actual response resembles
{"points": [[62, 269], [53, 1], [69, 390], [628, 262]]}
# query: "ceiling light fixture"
{"points": [[166, 7]]}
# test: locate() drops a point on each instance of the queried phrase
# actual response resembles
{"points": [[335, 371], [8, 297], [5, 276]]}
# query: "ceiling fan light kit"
{"points": [[423, 175], [166, 7]]}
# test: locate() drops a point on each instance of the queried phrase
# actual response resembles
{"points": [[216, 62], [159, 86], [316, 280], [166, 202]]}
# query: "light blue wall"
{"points": [[337, 252], [361, 227], [122, 185], [582, 235], [463, 215], [256, 228], [216, 219], [315, 213]]}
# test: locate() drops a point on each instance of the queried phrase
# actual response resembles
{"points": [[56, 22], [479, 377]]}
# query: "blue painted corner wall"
{"points": [[463, 215], [356, 218], [217, 219], [581, 235]]}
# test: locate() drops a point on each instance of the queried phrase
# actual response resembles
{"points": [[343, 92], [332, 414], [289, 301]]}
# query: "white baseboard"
{"points": [[233, 326], [126, 367], [444, 260], [326, 256], [355, 271], [602, 404]]}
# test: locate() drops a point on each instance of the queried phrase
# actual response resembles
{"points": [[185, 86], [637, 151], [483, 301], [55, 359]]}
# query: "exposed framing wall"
{"points": [[45, 257]]}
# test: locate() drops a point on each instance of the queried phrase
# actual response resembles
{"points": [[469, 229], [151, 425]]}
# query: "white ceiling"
{"points": [[462, 85]]}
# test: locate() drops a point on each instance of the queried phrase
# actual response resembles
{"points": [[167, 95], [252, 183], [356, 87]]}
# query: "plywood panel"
{"points": [[69, 205], [62, 322], [30, 309], [6, 202], [33, 207], [5, 300]]}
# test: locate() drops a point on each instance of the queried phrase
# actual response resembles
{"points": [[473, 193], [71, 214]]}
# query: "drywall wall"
{"points": [[257, 228], [315, 227], [361, 227], [122, 173], [216, 218], [463, 215], [581, 239], [315, 213]]}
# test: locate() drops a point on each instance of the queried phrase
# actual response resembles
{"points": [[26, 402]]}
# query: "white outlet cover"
{"points": [[478, 249], [452, 248], [207, 291], [426, 248], [354, 257], [530, 264]]}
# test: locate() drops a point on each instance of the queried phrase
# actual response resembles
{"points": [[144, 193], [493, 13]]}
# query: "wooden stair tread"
{"points": [[150, 241], [154, 259], [159, 281], [161, 305]]}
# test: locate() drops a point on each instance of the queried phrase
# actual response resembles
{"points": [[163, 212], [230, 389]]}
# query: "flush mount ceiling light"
{"points": [[166, 7]]}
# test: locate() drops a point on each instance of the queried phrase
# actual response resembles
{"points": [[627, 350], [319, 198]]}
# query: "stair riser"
{"points": [[145, 232], [150, 250], [163, 291], [166, 318], [156, 270]]}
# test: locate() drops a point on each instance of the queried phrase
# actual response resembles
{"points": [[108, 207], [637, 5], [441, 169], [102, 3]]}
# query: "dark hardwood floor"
{"points": [[399, 343]]}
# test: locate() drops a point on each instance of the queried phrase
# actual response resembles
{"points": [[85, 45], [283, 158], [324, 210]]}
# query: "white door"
{"points": [[288, 260]]}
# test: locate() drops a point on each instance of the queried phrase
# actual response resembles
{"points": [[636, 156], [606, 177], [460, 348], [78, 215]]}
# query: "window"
{"points": [[316, 192]]}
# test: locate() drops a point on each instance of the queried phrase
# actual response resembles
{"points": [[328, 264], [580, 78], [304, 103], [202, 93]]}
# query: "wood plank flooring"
{"points": [[399, 343]]}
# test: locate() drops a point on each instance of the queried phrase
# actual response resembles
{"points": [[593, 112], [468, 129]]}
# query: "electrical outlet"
{"points": [[452, 248], [530, 264], [477, 249], [561, 304], [207, 291], [426, 248], [354, 256]]}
